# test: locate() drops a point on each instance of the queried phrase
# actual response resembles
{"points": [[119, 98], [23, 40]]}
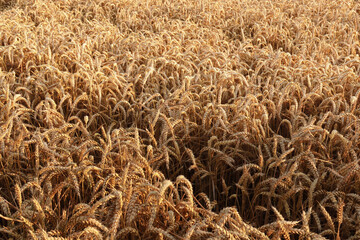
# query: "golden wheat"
{"points": [[179, 119]]}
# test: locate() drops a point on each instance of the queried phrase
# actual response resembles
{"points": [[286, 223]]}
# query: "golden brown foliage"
{"points": [[164, 119]]}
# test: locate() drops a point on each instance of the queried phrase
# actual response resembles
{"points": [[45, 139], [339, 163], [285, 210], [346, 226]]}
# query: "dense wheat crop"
{"points": [[173, 119]]}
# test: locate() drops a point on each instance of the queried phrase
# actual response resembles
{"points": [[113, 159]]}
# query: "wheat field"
{"points": [[174, 119]]}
